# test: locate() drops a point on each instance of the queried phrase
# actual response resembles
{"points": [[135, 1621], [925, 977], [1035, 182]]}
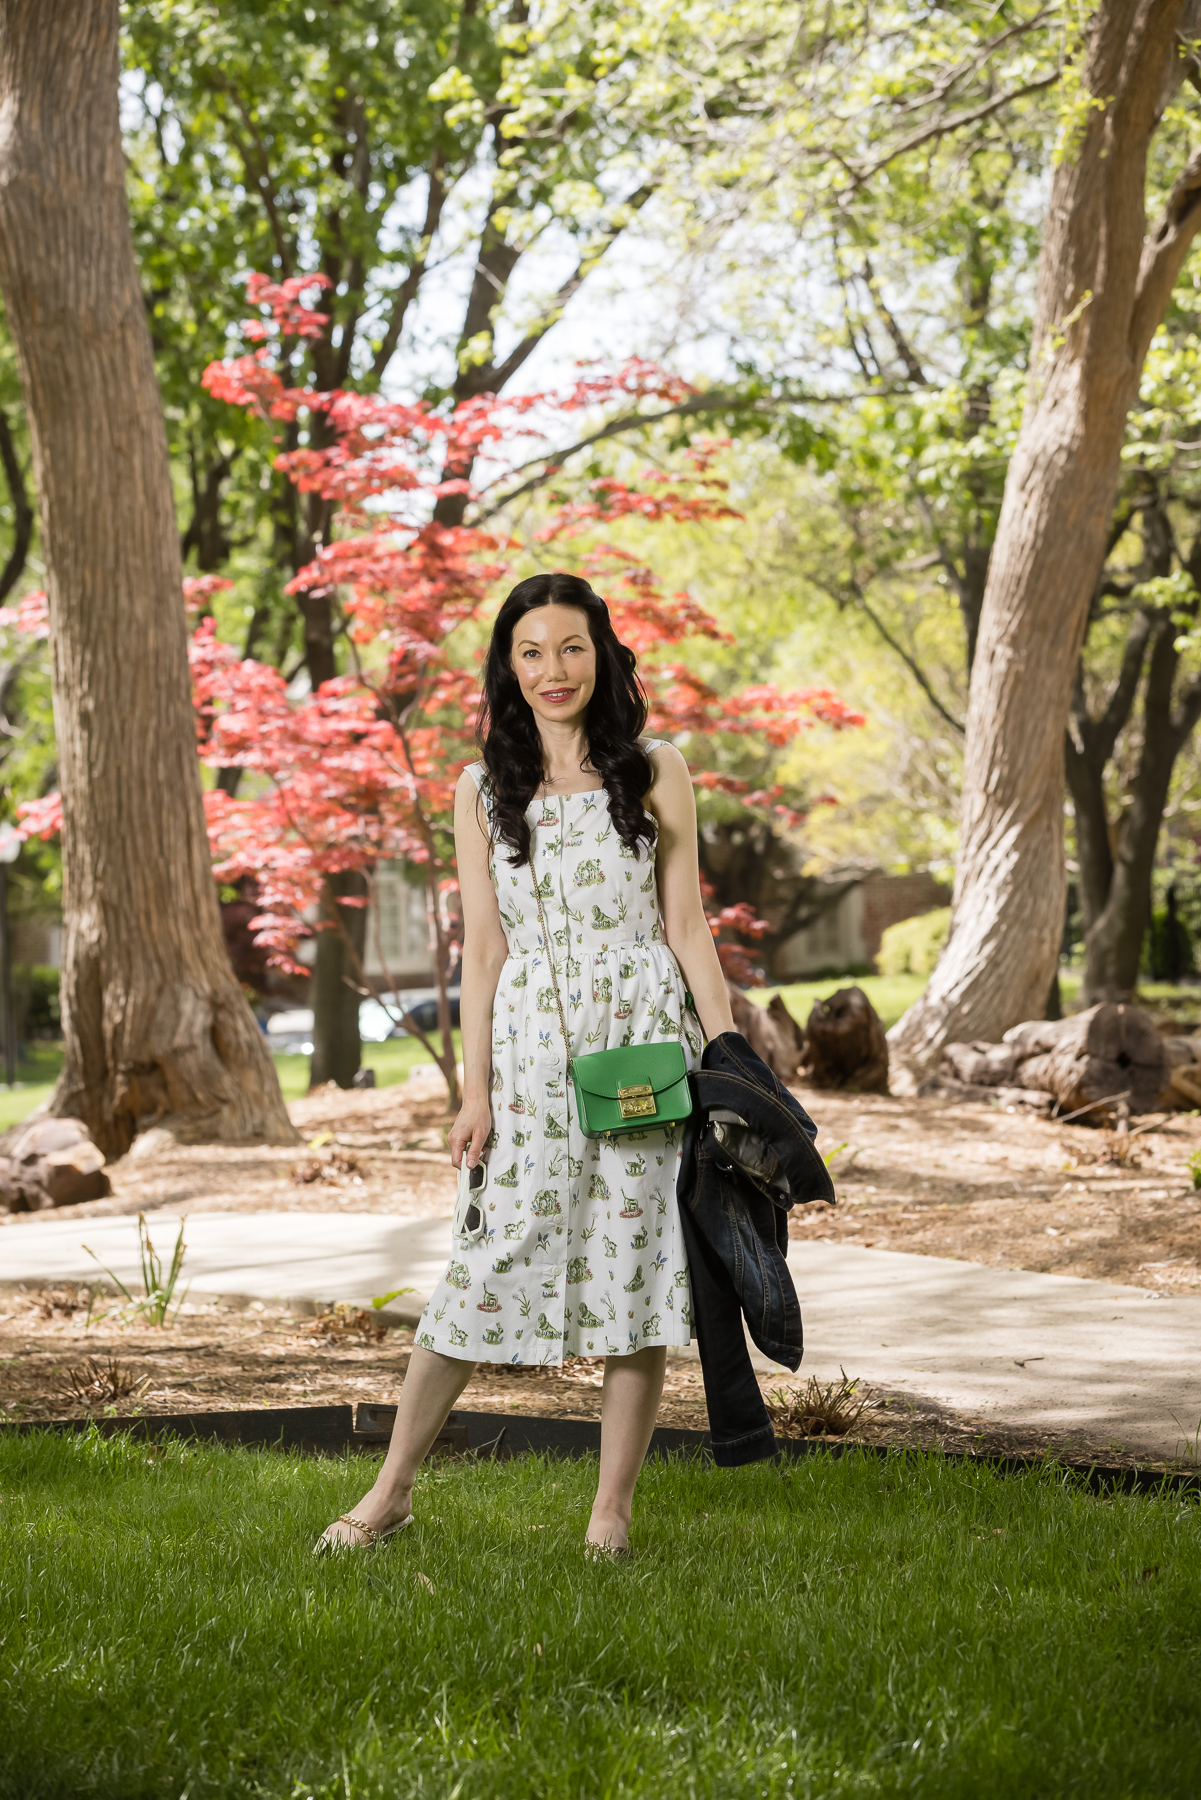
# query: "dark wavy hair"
{"points": [[508, 733]]}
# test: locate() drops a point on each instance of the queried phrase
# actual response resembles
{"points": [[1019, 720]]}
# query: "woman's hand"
{"points": [[469, 1133]]}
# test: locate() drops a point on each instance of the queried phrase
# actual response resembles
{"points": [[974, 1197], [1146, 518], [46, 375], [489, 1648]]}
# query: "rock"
{"points": [[846, 1046], [76, 1174], [51, 1162], [151, 1143], [767, 1036]]}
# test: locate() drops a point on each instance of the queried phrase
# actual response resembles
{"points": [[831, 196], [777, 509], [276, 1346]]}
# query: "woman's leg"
{"points": [[431, 1387], [629, 1408]]}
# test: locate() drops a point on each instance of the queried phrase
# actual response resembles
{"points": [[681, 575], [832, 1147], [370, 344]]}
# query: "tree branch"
{"points": [[492, 377], [406, 293], [262, 178], [914, 667], [945, 126], [901, 344], [1163, 257]]}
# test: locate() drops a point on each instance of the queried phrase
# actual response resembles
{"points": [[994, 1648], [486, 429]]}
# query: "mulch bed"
{"points": [[218, 1358]]}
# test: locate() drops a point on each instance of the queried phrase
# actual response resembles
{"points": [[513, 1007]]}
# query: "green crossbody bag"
{"points": [[637, 1087]]}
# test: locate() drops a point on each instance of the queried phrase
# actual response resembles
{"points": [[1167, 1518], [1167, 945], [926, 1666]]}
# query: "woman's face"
{"points": [[554, 659]]}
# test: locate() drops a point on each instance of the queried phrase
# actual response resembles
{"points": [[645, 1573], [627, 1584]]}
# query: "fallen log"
{"points": [[1107, 1050], [983, 1065], [1083, 1061], [845, 1044]]}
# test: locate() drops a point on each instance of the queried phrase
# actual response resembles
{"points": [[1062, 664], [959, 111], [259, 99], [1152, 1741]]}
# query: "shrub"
{"points": [[36, 1000], [913, 946], [1163, 960]]}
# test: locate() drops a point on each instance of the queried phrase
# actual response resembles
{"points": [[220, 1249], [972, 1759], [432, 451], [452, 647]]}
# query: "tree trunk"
{"points": [[337, 1048], [1114, 941], [1103, 287], [157, 1030]]}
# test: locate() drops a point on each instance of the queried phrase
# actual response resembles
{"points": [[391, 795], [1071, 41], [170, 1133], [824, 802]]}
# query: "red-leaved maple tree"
{"points": [[363, 771]]}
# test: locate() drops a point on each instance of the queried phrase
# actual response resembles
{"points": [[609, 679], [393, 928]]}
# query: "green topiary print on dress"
{"points": [[553, 1196]]}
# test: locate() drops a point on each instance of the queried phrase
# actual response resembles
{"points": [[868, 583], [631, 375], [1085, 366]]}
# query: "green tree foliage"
{"points": [[386, 146]]}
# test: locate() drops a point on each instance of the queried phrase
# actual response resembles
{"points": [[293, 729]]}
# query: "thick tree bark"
{"points": [[18, 556], [337, 1049], [1103, 287], [1088, 748], [157, 1030], [1114, 939]]}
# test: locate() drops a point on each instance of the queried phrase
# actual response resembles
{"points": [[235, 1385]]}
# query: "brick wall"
{"points": [[887, 899]]}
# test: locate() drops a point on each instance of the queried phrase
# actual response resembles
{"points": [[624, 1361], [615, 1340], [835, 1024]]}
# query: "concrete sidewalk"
{"points": [[1115, 1365]]}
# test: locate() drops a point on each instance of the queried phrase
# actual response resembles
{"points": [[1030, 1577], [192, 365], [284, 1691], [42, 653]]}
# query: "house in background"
{"points": [[397, 953], [847, 931], [398, 932]]}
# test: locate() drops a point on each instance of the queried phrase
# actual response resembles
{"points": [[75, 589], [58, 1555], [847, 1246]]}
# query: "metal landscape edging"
{"points": [[333, 1430]]}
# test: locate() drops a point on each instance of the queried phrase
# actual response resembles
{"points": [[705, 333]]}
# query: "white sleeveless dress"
{"points": [[582, 1253]]}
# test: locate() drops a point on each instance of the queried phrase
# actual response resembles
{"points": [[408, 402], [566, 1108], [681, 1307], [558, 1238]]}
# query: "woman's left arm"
{"points": [[689, 938]]}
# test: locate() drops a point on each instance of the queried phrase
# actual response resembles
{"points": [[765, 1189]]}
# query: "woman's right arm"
{"points": [[484, 953]]}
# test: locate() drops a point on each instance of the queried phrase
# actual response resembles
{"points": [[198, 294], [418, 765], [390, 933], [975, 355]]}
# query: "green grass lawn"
{"points": [[840, 1628], [392, 1061], [37, 1073], [889, 994]]}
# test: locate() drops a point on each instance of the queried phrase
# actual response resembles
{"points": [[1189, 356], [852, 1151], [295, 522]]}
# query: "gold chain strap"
{"points": [[551, 960]]}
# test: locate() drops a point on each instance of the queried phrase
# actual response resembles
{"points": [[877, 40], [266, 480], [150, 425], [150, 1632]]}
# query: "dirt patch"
{"points": [[370, 1152], [956, 1179]]}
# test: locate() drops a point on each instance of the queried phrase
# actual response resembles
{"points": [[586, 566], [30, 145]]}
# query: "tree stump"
{"points": [[771, 1032], [846, 1046]]}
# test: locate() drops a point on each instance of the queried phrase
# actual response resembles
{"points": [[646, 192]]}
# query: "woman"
{"points": [[573, 828]]}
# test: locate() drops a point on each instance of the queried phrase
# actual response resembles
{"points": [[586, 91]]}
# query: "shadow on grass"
{"points": [[850, 1627]]}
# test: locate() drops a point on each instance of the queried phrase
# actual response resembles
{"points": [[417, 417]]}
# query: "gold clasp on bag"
{"points": [[636, 1102]]}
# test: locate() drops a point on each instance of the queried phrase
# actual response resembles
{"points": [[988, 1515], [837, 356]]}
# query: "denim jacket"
{"points": [[748, 1156]]}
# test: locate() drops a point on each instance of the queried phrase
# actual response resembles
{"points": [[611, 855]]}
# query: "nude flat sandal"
{"points": [[329, 1546]]}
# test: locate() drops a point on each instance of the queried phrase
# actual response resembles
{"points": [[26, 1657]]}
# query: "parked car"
{"points": [[290, 1033], [422, 1004]]}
